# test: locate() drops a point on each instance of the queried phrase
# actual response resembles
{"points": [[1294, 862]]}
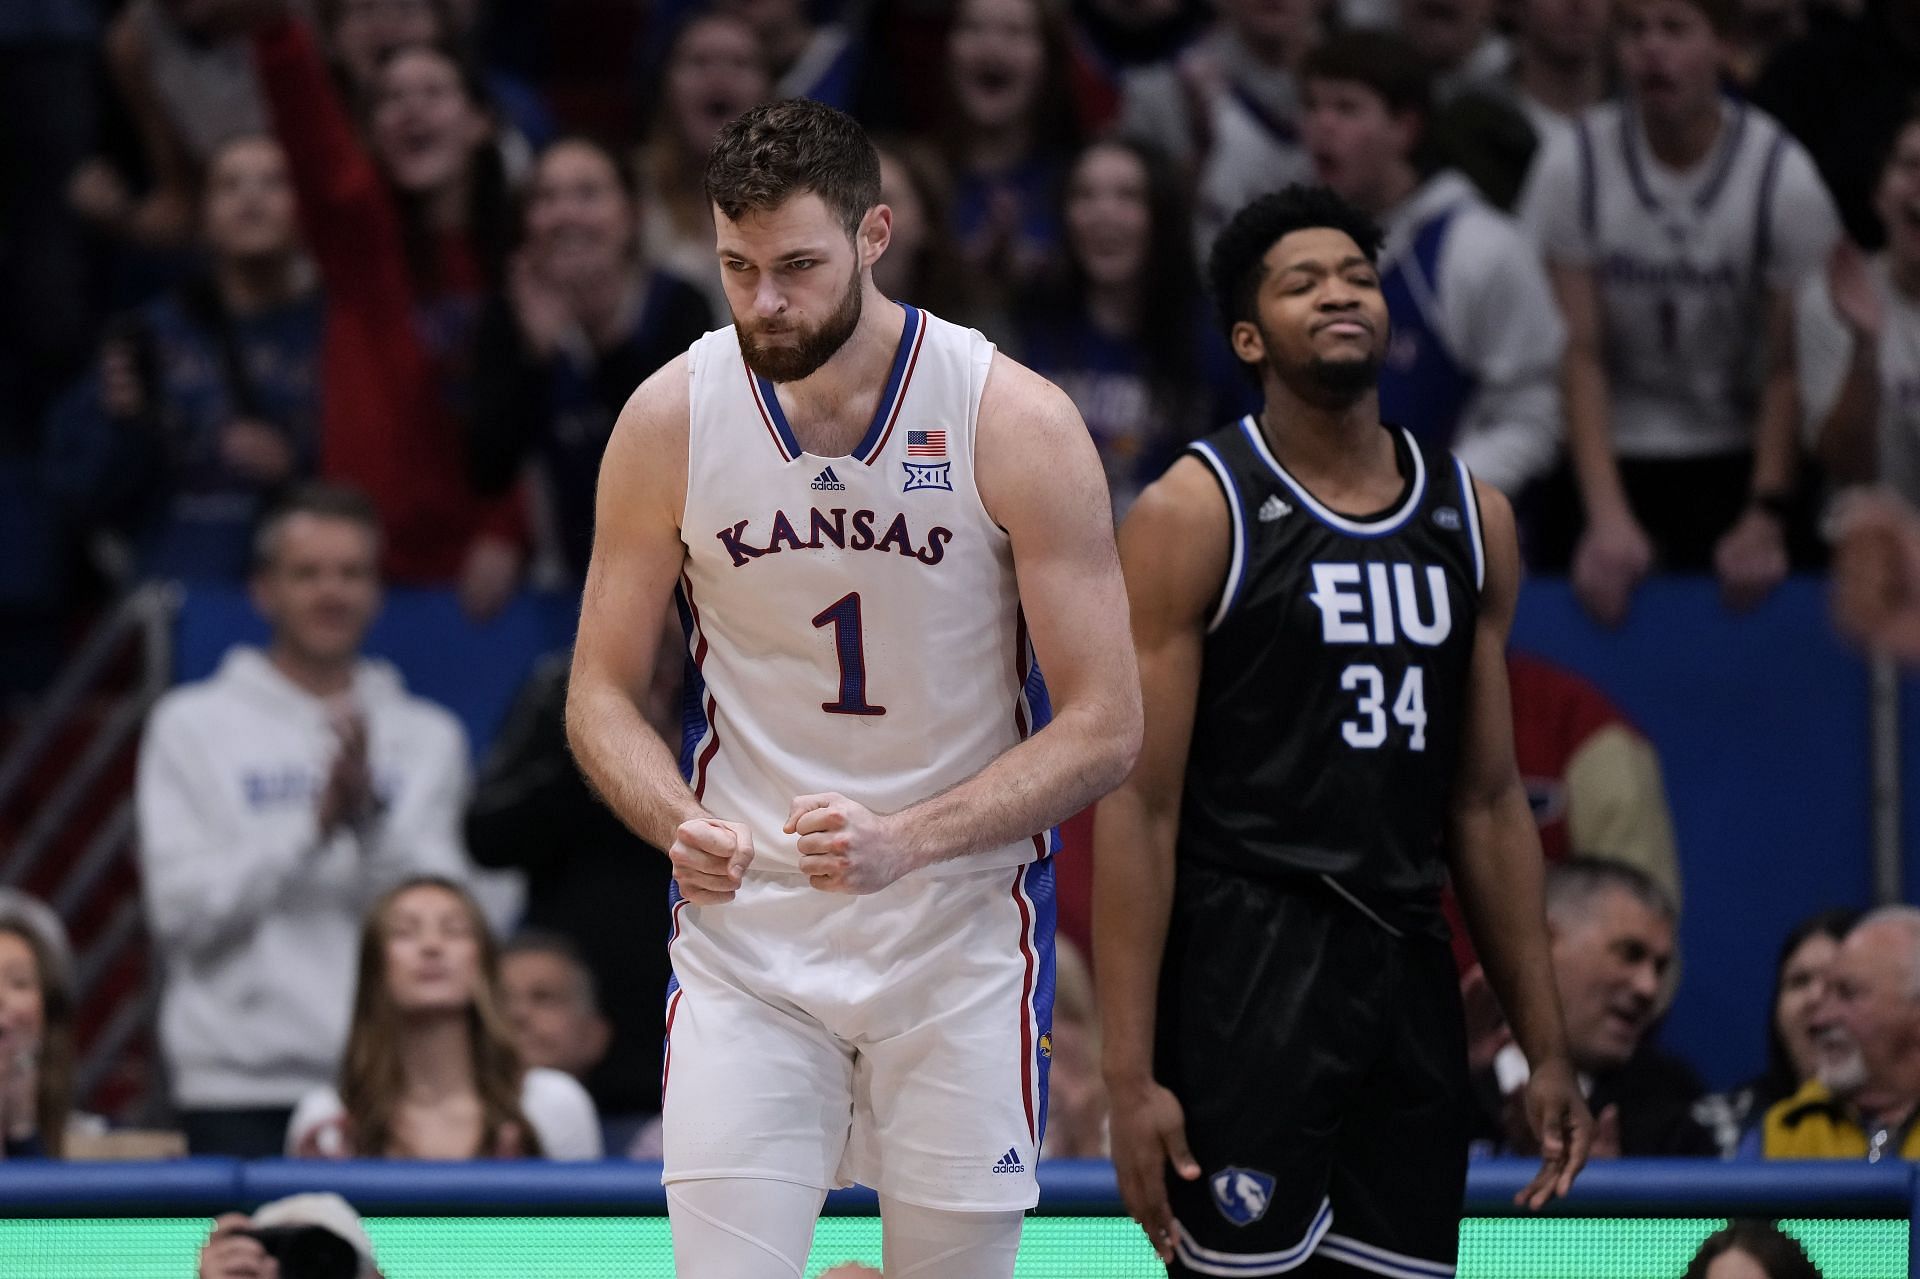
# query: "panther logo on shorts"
{"points": [[1242, 1194]]}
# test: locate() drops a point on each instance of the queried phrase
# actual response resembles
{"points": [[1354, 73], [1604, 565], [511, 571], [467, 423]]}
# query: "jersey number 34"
{"points": [[1369, 730]]}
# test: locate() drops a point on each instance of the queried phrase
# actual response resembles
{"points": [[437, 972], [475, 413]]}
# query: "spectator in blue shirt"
{"points": [[583, 320], [204, 402], [1122, 326]]}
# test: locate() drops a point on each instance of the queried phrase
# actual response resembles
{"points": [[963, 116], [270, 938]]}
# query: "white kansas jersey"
{"points": [[853, 622], [1684, 263]]}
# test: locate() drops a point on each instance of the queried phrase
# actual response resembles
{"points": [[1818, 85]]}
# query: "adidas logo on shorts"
{"points": [[829, 481], [1010, 1162]]}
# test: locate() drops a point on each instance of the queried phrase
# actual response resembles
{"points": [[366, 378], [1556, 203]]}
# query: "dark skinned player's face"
{"points": [[1322, 326]]}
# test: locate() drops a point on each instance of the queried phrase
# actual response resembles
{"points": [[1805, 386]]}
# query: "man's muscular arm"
{"points": [[637, 558], [1041, 481], [1175, 548], [1499, 873]]}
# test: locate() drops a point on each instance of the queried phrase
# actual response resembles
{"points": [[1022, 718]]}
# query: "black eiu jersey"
{"points": [[1333, 689]]}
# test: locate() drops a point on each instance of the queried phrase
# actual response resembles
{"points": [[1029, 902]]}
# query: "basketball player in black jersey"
{"points": [[1320, 606]]}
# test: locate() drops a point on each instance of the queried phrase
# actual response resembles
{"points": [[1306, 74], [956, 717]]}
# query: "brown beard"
{"points": [[812, 349]]}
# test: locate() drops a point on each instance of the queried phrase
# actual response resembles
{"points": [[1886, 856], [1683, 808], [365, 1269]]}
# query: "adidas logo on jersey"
{"points": [[828, 481], [1273, 508], [1010, 1162]]}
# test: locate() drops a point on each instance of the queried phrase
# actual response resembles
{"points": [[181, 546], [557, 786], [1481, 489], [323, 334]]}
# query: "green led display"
{"points": [[1051, 1248]]}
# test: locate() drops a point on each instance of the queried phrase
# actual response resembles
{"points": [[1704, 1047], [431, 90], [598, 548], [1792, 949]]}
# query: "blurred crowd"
{"points": [[312, 295]]}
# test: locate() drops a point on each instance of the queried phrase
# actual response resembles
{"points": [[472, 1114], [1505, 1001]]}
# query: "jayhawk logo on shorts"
{"points": [[1242, 1194], [1046, 1046]]}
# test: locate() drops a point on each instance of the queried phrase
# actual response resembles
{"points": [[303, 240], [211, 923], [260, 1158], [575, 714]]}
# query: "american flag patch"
{"points": [[926, 443]]}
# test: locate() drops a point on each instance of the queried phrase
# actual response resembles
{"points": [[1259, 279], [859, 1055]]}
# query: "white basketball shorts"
{"points": [[898, 1039]]}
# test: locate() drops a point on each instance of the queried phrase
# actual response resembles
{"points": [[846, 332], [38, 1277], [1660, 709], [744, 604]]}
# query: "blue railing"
{"points": [[1623, 1187]]}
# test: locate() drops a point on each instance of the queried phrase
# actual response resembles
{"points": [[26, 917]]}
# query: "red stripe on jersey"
{"points": [[706, 756], [666, 1061], [673, 1004], [906, 381], [713, 709], [1026, 1003]]}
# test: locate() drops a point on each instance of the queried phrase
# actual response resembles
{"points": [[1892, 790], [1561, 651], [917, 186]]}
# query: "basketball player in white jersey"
{"points": [[1677, 224], [875, 526]]}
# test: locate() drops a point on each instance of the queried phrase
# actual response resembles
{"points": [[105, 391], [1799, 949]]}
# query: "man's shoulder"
{"points": [[216, 695], [423, 719], [1015, 392], [543, 1087]]}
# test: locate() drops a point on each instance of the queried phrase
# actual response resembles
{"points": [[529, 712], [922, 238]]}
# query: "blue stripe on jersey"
{"points": [[882, 413], [1470, 499], [1036, 881], [1039, 715], [693, 704], [1237, 562]]}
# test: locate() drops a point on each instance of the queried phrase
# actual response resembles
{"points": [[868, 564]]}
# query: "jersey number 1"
{"points": [[850, 645]]}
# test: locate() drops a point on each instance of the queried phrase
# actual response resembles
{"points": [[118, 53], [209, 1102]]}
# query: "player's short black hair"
{"points": [[779, 150], [1237, 264]]}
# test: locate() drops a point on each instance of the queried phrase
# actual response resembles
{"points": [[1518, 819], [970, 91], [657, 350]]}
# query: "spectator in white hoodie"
{"points": [[277, 800]]}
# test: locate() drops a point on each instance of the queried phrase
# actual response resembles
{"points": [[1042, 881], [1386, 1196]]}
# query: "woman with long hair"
{"points": [[920, 266], [714, 70], [1122, 325], [202, 405], [36, 1029], [1793, 1051], [430, 1069], [410, 229], [583, 320], [1011, 128]]}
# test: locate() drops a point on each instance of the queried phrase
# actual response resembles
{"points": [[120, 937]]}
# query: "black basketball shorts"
{"points": [[1321, 1061]]}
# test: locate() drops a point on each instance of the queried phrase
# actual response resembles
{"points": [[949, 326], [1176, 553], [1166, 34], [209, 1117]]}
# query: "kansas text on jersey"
{"points": [[853, 623]]}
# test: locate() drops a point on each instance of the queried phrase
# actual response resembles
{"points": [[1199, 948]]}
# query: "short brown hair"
{"points": [[1383, 61], [1722, 15], [327, 501], [779, 150]]}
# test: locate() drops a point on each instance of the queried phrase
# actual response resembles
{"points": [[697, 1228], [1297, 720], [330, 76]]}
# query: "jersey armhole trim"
{"points": [[1589, 187], [1471, 500], [1763, 220], [1237, 564]]}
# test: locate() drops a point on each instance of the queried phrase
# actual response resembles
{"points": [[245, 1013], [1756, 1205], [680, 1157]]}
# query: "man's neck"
{"points": [[436, 1054], [1905, 276], [839, 397], [1327, 447], [251, 285], [1398, 183], [1565, 85], [1275, 52], [1682, 142], [318, 677]]}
